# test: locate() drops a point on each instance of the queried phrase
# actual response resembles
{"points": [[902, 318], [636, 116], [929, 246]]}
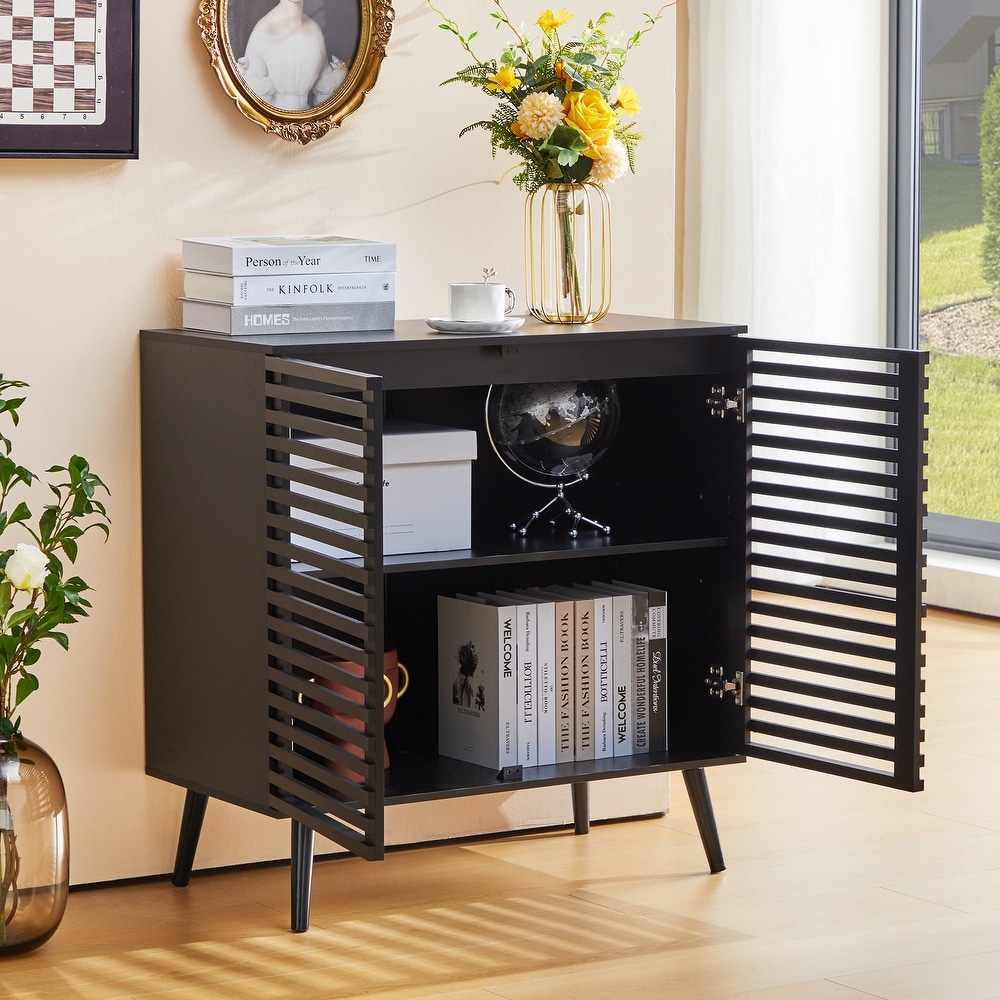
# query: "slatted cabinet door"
{"points": [[834, 527], [324, 462]]}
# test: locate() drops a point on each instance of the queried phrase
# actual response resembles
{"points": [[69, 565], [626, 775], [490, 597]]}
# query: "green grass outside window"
{"points": [[964, 390]]}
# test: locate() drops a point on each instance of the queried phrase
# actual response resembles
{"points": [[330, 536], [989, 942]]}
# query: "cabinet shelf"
{"points": [[419, 777], [505, 548]]}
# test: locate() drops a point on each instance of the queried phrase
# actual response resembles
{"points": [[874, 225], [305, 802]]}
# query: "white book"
{"points": [[586, 708], [249, 321], [285, 254], [477, 712], [566, 681], [563, 669], [527, 720], [624, 680], [509, 675], [603, 687], [290, 289], [546, 681], [623, 644], [585, 731], [536, 663], [527, 673]]}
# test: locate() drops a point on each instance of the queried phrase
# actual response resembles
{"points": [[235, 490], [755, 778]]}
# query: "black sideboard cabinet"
{"points": [[774, 490]]}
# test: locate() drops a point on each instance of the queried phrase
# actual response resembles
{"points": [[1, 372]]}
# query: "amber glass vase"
{"points": [[567, 253], [34, 846]]}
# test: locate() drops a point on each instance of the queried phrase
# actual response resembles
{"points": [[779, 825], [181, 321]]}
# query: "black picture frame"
{"points": [[36, 119]]}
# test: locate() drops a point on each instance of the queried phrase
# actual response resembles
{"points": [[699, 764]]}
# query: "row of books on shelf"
{"points": [[241, 286], [552, 675]]}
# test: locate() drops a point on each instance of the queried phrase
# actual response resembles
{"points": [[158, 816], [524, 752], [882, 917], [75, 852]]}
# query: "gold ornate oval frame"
{"points": [[217, 19]]}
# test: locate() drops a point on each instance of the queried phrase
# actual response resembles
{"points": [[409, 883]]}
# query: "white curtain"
{"points": [[784, 161]]}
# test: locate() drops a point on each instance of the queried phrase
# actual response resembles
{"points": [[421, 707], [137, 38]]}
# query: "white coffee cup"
{"points": [[479, 302]]}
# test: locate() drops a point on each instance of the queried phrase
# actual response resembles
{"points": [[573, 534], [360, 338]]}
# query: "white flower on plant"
{"points": [[26, 567], [612, 164], [539, 114]]}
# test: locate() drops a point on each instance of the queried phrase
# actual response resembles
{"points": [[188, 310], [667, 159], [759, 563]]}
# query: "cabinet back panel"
{"points": [[659, 478]]}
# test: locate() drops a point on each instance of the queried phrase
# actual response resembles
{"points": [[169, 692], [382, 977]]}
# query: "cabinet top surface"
{"points": [[416, 334]]}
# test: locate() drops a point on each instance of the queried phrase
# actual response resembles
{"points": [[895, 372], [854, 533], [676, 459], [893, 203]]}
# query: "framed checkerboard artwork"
{"points": [[69, 78]]}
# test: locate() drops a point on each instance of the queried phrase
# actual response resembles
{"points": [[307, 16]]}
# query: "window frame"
{"points": [[945, 532]]}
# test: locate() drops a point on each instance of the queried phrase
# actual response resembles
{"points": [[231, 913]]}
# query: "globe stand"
{"points": [[549, 434], [568, 510]]}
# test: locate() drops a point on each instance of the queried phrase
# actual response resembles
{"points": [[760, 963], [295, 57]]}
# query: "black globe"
{"points": [[551, 433]]}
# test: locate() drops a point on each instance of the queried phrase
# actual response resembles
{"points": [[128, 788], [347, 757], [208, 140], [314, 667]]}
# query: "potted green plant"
{"points": [[38, 600]]}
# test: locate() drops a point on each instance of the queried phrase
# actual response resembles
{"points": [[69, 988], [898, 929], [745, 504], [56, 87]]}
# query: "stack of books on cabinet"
{"points": [[241, 286], [552, 675]]}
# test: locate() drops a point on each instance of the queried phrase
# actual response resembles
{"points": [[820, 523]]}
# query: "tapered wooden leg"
{"points": [[187, 842], [303, 843], [581, 806], [701, 804]]}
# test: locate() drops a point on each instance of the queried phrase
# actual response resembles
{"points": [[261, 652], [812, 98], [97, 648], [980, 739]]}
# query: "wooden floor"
{"points": [[835, 890]]}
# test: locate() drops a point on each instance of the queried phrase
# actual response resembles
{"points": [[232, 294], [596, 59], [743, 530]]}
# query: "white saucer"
{"points": [[444, 325]]}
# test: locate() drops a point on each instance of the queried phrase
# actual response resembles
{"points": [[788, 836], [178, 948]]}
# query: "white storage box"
{"points": [[427, 490]]}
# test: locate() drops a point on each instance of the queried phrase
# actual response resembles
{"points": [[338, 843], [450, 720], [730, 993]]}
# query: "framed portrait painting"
{"points": [[69, 78], [296, 67]]}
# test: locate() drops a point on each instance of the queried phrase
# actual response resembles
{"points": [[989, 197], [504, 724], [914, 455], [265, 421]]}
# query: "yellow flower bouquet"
{"points": [[562, 106]]}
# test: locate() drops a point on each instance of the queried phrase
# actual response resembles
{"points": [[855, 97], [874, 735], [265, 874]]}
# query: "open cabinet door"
{"points": [[834, 534], [324, 526]]}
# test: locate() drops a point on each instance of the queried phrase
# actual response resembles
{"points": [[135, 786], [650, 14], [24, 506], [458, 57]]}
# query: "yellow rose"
{"points": [[628, 100], [548, 21], [505, 79], [593, 116]]}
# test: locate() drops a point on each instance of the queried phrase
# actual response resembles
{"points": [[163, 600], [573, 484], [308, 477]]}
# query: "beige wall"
{"points": [[89, 256]]}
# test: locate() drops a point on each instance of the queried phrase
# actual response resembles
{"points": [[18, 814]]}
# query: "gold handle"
{"points": [[404, 684]]}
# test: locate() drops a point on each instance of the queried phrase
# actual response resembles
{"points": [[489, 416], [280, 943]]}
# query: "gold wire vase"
{"points": [[567, 253]]}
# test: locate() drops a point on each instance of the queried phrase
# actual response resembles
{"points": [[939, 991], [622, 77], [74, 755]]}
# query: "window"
{"points": [[958, 318]]}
